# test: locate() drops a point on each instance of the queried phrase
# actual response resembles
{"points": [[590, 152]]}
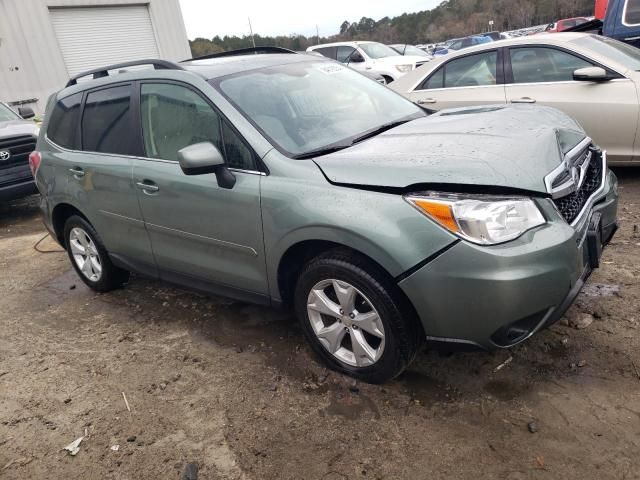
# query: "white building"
{"points": [[44, 42]]}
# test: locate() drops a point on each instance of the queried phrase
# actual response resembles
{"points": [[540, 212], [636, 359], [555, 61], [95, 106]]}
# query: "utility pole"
{"points": [[317, 35], [253, 39]]}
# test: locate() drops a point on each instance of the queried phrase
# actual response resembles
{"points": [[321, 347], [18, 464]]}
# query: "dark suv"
{"points": [[17, 140]]}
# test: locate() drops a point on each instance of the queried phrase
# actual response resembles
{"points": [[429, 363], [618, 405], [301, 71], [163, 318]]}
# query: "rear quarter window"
{"points": [[63, 123]]}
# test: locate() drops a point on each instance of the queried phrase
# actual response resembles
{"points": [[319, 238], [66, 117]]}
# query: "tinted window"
{"points": [[344, 53], [237, 154], [534, 65], [472, 71], [63, 123], [329, 52], [174, 117], [632, 12], [106, 121]]}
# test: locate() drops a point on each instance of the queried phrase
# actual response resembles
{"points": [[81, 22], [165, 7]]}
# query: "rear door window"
{"points": [[107, 121], [543, 64], [472, 71], [63, 123]]}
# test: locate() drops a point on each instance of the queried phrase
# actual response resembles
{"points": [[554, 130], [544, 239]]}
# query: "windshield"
{"points": [[411, 50], [378, 50], [304, 107], [612, 49], [7, 114]]}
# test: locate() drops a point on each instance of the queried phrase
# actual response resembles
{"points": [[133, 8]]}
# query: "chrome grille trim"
{"points": [[569, 161], [567, 206]]}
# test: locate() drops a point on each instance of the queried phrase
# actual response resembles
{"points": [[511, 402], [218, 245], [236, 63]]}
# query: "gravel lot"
{"points": [[233, 388]]}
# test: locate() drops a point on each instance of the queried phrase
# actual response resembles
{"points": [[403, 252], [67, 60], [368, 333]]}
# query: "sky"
{"points": [[207, 18]]}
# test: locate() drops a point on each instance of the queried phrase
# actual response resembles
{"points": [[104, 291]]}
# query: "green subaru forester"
{"points": [[290, 180]]}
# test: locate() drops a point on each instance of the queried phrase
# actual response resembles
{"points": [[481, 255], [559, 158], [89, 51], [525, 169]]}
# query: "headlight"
{"points": [[482, 219], [404, 68]]}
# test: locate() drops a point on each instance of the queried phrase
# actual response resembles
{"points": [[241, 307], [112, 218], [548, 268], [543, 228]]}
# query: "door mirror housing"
{"points": [[26, 112], [591, 74], [203, 158]]}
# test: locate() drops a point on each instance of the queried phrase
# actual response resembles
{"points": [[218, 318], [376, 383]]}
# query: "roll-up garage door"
{"points": [[98, 36]]}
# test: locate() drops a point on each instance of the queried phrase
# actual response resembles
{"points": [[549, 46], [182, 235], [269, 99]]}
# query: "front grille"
{"points": [[571, 205], [19, 148]]}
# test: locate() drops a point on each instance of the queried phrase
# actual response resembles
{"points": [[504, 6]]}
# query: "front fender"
{"points": [[382, 226]]}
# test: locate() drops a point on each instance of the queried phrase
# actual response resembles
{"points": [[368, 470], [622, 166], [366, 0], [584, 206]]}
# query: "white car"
{"points": [[595, 79], [371, 57]]}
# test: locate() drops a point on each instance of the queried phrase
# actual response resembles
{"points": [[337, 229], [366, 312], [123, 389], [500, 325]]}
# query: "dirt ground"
{"points": [[233, 388]]}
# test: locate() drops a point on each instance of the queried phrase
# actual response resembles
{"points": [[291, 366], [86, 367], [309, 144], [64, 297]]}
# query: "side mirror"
{"points": [[356, 57], [26, 112], [591, 74], [203, 158]]}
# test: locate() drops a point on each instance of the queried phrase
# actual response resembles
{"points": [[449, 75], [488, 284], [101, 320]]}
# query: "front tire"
{"points": [[355, 318], [90, 258]]}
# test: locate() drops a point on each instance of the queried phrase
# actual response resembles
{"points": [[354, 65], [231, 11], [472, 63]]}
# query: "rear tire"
{"points": [[355, 317], [90, 258]]}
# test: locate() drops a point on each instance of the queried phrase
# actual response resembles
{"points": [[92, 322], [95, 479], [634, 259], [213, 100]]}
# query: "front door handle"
{"points": [[147, 187], [524, 100], [77, 172], [427, 101]]}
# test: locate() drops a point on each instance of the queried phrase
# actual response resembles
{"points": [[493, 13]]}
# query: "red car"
{"points": [[562, 25]]}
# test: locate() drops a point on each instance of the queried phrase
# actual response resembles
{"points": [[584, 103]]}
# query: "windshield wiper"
{"points": [[378, 131], [341, 146], [321, 151]]}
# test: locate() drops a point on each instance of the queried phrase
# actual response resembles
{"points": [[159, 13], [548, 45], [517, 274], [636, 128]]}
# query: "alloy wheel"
{"points": [[85, 254], [346, 323]]}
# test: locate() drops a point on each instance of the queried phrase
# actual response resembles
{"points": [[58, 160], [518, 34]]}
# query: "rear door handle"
{"points": [[147, 186], [427, 101], [523, 100], [77, 172]]}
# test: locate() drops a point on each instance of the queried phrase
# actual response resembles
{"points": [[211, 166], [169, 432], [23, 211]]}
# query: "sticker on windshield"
{"points": [[330, 69]]}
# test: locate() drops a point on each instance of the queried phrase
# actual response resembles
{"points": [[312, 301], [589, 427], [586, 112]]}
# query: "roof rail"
{"points": [[243, 51], [104, 71]]}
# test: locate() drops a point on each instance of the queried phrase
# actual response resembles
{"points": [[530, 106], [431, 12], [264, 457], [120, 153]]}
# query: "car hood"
{"points": [[14, 128], [400, 60], [503, 146]]}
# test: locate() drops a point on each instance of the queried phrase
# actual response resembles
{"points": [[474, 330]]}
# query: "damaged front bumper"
{"points": [[497, 297]]}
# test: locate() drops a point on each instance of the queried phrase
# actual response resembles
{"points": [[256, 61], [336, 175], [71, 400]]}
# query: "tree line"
{"points": [[450, 19]]}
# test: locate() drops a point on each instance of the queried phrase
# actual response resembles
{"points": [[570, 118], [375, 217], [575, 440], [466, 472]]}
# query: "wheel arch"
{"points": [[59, 216], [300, 247]]}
